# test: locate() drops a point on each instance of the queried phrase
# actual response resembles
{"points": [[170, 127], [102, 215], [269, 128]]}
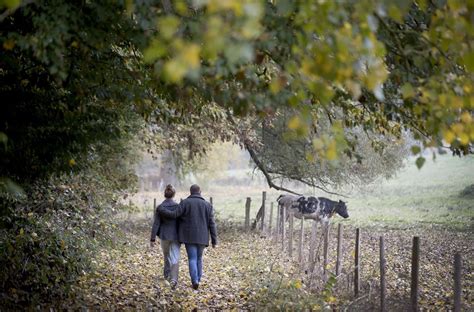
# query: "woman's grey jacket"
{"points": [[165, 228], [196, 220]]}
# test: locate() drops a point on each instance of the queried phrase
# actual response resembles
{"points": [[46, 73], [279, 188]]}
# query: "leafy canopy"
{"points": [[388, 66]]}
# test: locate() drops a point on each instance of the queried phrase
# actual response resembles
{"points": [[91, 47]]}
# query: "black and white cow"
{"points": [[317, 208]]}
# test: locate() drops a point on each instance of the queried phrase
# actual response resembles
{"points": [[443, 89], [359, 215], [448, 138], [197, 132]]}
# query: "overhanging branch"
{"points": [[260, 166]]}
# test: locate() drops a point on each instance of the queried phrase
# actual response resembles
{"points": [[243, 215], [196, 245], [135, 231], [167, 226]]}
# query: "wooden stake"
{"points": [[290, 237], [264, 197], [300, 247], [382, 275], [247, 214], [312, 245], [339, 249], [457, 282], [277, 226], [270, 219], [325, 250], [415, 270], [356, 263], [283, 233]]}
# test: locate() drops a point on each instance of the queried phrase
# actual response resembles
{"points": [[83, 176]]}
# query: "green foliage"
{"points": [[41, 259], [387, 66], [49, 239], [68, 84]]}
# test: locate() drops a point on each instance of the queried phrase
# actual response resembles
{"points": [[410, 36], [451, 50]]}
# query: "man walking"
{"points": [[195, 223]]}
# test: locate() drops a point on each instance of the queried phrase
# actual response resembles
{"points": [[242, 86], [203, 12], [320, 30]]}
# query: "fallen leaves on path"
{"points": [[250, 272], [236, 275]]}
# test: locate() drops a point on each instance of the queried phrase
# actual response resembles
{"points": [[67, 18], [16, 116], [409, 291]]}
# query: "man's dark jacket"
{"points": [[165, 228], [196, 220]]}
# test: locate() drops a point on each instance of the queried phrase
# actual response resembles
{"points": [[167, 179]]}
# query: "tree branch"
{"points": [[260, 166]]}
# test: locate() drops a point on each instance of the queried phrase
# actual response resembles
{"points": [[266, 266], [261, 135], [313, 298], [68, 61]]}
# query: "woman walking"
{"points": [[167, 231], [196, 223]]}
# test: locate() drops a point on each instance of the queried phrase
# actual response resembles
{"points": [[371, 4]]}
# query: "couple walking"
{"points": [[188, 222]]}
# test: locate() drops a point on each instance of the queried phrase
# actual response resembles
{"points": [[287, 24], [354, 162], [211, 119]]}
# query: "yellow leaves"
{"points": [[277, 84], [221, 5], [298, 125], [298, 284], [190, 56], [448, 136], [331, 299], [457, 128], [184, 63], [331, 152], [294, 123], [466, 117], [167, 26], [22, 232], [72, 162], [9, 44], [375, 75], [407, 91], [464, 138], [10, 4]]}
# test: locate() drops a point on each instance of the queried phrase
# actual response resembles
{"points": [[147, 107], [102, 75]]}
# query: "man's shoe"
{"points": [[196, 286], [174, 284]]}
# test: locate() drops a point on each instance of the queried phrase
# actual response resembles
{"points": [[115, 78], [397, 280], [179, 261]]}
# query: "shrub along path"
{"points": [[248, 272]]}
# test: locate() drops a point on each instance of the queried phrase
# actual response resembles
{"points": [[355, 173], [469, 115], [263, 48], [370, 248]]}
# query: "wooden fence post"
{"points": [[154, 204], [211, 201], [264, 197], [357, 263], [283, 233], [300, 247], [247, 214], [339, 249], [415, 269], [290, 236], [382, 275], [270, 219], [325, 250], [277, 225], [312, 244], [457, 282]]}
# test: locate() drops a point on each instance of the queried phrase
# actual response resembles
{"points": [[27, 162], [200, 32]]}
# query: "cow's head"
{"points": [[342, 209]]}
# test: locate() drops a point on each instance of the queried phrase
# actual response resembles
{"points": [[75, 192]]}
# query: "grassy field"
{"points": [[430, 196]]}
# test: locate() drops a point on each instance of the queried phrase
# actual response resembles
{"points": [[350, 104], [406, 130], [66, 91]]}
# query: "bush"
{"points": [[468, 191], [48, 239]]}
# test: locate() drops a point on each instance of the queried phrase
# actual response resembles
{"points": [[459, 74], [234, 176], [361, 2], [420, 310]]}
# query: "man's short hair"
{"points": [[195, 189]]}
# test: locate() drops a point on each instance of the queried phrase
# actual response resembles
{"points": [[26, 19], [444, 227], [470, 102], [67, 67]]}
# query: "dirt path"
{"points": [[130, 276], [249, 272]]}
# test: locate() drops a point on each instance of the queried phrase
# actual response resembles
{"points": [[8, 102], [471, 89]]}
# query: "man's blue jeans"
{"points": [[195, 261]]}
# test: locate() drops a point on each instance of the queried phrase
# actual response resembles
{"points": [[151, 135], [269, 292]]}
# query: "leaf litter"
{"points": [[248, 271]]}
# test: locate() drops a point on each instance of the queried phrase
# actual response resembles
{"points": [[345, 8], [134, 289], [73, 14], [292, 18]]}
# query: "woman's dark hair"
{"points": [[169, 191]]}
